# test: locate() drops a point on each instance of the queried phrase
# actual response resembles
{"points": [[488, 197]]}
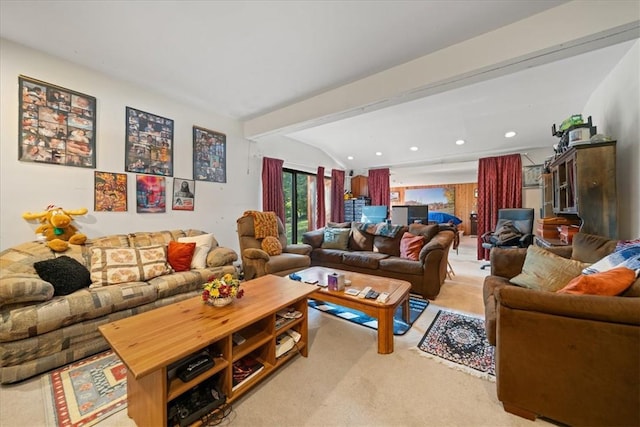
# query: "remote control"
{"points": [[363, 293], [383, 297], [352, 292], [372, 294]]}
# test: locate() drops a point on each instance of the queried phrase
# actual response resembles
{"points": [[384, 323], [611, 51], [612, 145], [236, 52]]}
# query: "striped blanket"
{"points": [[380, 229]]}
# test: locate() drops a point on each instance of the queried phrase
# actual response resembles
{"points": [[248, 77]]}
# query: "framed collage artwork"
{"points": [[149, 145], [183, 194], [110, 192], [57, 125], [209, 155]]}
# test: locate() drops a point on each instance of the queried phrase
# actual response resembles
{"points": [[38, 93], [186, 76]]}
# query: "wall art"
{"points": [[110, 194], [149, 146], [150, 194], [209, 155], [57, 125], [531, 175], [439, 199], [183, 194]]}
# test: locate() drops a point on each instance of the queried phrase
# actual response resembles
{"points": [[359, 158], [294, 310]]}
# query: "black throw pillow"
{"points": [[66, 274]]}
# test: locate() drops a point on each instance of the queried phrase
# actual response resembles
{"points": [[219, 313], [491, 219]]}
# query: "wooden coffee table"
{"points": [[398, 291]]}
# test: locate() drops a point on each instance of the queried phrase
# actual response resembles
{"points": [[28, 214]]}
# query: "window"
{"points": [[300, 202]]}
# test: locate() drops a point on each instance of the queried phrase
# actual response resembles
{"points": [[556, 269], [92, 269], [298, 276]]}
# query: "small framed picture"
{"points": [[183, 194], [209, 155], [531, 175], [150, 194], [110, 194]]}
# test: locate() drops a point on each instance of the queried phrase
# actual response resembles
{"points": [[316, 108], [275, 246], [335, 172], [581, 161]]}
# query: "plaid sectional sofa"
{"points": [[39, 332]]}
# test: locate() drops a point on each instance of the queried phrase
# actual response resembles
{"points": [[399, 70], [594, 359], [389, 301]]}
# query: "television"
{"points": [[374, 214], [409, 214]]}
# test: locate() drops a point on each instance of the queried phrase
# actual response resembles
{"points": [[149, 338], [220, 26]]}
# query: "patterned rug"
{"points": [[460, 341], [86, 392], [400, 327]]}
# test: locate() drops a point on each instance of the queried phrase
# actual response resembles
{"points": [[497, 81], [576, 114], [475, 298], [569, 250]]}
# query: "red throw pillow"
{"points": [[410, 246], [180, 255], [608, 283]]}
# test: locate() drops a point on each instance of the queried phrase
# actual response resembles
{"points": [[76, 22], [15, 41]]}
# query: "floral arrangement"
{"points": [[224, 287]]}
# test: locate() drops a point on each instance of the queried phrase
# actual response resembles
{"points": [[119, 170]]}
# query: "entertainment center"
{"points": [[151, 343]]}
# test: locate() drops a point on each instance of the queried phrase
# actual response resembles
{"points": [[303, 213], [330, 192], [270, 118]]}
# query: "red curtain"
{"points": [[379, 187], [272, 192], [499, 187], [321, 215], [337, 195]]}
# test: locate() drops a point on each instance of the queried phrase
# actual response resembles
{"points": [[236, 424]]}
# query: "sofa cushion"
{"points": [[327, 256], [611, 282], [143, 239], [110, 266], [221, 256], [410, 246], [186, 281], [66, 274], [401, 265], [360, 240], [23, 287], [287, 261], [363, 259], [543, 270], [271, 245], [389, 245], [591, 248], [428, 231], [204, 243], [627, 256], [336, 238], [180, 255]]}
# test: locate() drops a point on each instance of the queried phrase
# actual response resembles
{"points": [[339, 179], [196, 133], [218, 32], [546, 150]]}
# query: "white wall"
{"points": [[28, 186], [615, 108]]}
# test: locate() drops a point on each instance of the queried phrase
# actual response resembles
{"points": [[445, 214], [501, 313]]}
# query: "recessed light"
{"points": [[510, 134], [460, 142], [414, 148], [378, 153], [350, 157]]}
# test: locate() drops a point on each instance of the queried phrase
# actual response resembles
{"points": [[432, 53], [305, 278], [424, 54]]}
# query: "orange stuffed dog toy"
{"points": [[57, 228]]}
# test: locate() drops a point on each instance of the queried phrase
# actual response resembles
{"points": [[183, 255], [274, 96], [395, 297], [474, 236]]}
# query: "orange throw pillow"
{"points": [[608, 283], [410, 246], [271, 245], [180, 255]]}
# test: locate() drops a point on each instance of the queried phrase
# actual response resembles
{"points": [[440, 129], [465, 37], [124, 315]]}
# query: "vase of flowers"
{"points": [[219, 292]]}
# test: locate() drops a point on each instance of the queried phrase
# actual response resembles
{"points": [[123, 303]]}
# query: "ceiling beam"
{"points": [[567, 30]]}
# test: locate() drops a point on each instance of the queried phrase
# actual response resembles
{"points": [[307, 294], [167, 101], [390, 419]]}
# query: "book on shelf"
{"points": [[245, 369], [286, 341]]}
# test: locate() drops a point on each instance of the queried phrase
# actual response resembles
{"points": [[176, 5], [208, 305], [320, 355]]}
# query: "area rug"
{"points": [[400, 327], [86, 392], [460, 341]]}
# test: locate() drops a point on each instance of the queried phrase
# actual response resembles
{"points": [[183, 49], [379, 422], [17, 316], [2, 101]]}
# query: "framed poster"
{"points": [[149, 145], [531, 175], [110, 194], [183, 194], [209, 155], [150, 194], [57, 125]]}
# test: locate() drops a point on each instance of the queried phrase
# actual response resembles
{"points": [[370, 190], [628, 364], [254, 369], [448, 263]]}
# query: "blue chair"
{"points": [[521, 219]]}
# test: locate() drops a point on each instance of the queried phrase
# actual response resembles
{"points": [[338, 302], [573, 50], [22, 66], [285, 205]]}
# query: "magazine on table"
{"points": [[245, 369]]}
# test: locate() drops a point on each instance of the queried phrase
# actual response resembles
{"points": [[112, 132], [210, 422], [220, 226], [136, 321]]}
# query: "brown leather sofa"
{"points": [[380, 255], [256, 262], [571, 358]]}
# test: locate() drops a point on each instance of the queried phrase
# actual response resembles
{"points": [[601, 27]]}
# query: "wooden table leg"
{"points": [[405, 309], [385, 330]]}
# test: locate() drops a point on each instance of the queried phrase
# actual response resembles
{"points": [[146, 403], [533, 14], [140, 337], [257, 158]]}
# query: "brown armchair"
{"points": [[256, 262], [571, 358]]}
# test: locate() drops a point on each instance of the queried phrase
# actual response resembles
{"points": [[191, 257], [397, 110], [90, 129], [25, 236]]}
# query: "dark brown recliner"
{"points": [[570, 358], [256, 262]]}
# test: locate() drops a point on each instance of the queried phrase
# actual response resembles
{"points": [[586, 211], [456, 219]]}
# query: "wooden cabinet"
{"points": [[151, 344], [584, 187], [360, 186], [546, 187]]}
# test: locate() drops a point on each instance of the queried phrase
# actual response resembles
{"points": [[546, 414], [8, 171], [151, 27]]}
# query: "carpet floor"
{"points": [[86, 392], [400, 327], [459, 341]]}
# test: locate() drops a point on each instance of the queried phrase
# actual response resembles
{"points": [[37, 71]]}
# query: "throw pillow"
{"points": [[608, 283], [336, 238], [628, 256], [271, 245], [180, 255], [544, 270], [24, 287], [410, 246], [110, 266], [66, 274], [203, 246]]}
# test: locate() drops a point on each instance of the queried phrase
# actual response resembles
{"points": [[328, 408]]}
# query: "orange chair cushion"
{"points": [[410, 246], [271, 245]]}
